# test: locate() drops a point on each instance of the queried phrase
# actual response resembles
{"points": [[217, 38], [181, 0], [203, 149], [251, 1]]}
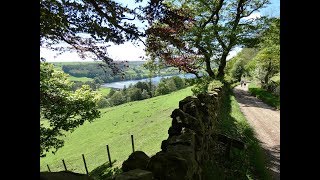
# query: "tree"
{"points": [[179, 82], [236, 67], [237, 70], [134, 94], [171, 84], [162, 89], [145, 94], [196, 34], [117, 98], [86, 24], [142, 85], [267, 62], [63, 108]]}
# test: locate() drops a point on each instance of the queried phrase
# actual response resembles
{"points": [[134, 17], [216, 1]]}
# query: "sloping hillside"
{"points": [[147, 120]]}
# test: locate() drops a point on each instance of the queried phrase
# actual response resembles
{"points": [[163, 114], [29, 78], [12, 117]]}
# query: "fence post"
{"points": [[48, 168], [132, 143], [64, 164], [85, 164], [109, 155]]}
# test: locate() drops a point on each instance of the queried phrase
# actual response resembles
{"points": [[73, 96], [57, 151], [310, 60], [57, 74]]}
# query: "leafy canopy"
{"points": [[196, 35], [62, 109]]}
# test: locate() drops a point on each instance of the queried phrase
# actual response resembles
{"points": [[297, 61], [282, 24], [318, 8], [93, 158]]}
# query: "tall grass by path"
{"points": [[265, 96], [148, 120], [251, 161]]}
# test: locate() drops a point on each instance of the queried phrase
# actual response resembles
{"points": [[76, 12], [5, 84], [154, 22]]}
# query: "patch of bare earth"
{"points": [[265, 120]]}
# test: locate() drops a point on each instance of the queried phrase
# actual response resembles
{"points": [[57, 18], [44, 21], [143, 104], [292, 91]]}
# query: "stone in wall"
{"points": [[137, 160], [168, 166], [136, 174]]}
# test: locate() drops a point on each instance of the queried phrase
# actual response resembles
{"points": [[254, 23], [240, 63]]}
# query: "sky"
{"points": [[132, 52]]}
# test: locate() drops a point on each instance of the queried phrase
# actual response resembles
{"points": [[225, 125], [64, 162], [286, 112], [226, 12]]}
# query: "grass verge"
{"points": [[249, 163], [265, 96]]}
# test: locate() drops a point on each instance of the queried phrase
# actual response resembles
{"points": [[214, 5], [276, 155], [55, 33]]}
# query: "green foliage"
{"points": [[237, 70], [66, 21], [201, 85], [237, 66], [250, 162], [117, 98], [265, 96], [145, 94], [63, 108], [266, 63], [132, 70], [179, 82], [148, 120], [214, 84], [198, 35], [134, 94], [171, 85], [162, 89], [103, 102]]}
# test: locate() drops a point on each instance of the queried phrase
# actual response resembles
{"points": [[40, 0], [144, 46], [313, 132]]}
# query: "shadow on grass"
{"points": [[249, 163], [273, 154], [104, 171]]}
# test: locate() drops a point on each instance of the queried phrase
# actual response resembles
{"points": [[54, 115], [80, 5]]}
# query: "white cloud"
{"points": [[126, 51], [253, 16], [234, 52]]}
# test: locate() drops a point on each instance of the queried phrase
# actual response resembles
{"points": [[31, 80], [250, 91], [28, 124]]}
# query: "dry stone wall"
{"points": [[187, 148]]}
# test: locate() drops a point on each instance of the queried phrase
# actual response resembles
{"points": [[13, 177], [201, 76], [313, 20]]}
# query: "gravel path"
{"points": [[266, 122]]}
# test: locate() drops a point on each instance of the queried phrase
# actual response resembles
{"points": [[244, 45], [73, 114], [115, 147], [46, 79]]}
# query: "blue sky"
{"points": [[129, 51]]}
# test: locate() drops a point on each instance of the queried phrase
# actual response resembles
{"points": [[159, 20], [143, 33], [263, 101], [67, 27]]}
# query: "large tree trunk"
{"points": [[208, 67], [222, 65], [266, 78]]}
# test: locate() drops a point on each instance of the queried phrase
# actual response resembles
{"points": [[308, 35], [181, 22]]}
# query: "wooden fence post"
{"points": [[132, 143], [109, 155], [85, 164], [48, 168], [64, 164]]}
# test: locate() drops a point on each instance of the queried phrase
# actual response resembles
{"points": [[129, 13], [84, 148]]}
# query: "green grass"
{"points": [[265, 96], [82, 79], [104, 91], [251, 161], [147, 120]]}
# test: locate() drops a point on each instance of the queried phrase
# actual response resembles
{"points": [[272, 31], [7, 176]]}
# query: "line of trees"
{"points": [[104, 75], [142, 90], [261, 64]]}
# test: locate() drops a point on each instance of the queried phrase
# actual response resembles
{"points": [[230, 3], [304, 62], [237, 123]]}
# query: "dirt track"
{"points": [[266, 122]]}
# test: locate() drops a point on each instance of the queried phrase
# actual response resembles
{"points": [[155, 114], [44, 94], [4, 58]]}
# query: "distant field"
{"points": [[147, 120], [104, 91], [83, 79]]}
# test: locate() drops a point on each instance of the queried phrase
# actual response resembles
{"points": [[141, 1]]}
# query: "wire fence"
{"points": [[72, 164]]}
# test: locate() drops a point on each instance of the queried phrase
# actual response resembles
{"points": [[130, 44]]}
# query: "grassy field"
{"points": [[265, 96], [104, 91], [147, 120], [82, 79]]}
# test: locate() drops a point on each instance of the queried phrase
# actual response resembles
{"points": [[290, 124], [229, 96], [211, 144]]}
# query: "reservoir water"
{"points": [[155, 80]]}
